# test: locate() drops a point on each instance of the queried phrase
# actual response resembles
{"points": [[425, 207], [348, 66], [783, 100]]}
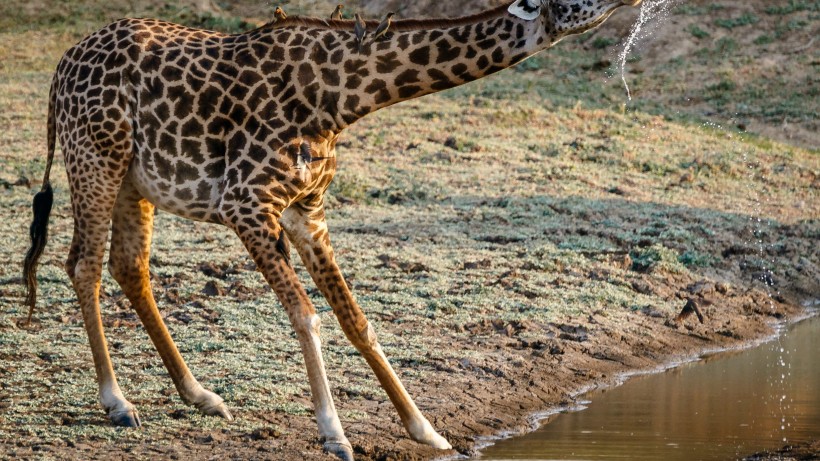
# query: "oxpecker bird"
{"points": [[385, 24], [361, 31], [337, 13], [279, 14]]}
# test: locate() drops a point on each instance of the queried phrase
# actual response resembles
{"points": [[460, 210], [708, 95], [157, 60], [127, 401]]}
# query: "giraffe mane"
{"points": [[397, 25]]}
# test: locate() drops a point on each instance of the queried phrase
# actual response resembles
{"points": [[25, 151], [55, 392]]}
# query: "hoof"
{"points": [[424, 433], [342, 450], [218, 409], [125, 418], [209, 403], [436, 441]]}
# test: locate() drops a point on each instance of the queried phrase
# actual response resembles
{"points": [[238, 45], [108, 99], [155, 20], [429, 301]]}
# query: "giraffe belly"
{"points": [[173, 191]]}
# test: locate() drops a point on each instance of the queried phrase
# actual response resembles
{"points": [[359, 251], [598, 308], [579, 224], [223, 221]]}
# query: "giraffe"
{"points": [[240, 130]]}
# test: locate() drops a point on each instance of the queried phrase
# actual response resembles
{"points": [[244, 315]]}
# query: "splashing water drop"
{"points": [[652, 13]]}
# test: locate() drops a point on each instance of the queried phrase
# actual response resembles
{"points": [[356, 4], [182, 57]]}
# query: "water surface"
{"points": [[723, 407]]}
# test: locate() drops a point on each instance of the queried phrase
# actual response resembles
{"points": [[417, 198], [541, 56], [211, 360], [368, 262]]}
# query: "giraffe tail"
{"points": [[42, 209]]}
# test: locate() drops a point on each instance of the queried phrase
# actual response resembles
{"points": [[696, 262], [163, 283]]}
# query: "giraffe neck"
{"points": [[415, 60]]}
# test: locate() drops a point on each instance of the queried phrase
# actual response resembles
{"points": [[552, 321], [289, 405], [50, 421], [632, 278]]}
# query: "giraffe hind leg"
{"points": [[132, 226], [92, 214]]}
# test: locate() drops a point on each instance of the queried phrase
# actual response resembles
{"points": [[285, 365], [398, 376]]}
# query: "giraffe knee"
{"points": [[365, 339], [315, 324], [86, 270], [130, 275], [117, 270], [307, 327], [311, 325]]}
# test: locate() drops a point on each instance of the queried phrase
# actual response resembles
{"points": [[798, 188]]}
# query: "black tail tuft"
{"points": [[39, 233]]}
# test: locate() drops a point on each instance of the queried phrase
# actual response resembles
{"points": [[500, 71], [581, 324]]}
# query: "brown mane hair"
{"points": [[398, 25]]}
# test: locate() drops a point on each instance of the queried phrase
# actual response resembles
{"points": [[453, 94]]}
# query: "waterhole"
{"points": [[723, 407]]}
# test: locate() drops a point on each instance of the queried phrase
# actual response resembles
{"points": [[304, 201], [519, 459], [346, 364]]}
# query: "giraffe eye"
{"points": [[526, 9]]}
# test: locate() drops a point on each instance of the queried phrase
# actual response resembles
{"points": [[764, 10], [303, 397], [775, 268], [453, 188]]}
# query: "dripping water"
{"points": [[652, 14], [758, 230]]}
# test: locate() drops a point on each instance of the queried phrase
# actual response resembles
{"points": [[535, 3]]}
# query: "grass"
{"points": [[746, 19], [520, 216], [697, 32], [793, 6], [696, 10]]}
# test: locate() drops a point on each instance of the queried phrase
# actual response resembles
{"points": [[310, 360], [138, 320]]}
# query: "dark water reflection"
{"points": [[724, 407]]}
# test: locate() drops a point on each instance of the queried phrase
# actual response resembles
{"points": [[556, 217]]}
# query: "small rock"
{"points": [[642, 287], [483, 264], [701, 288], [623, 261], [687, 178], [265, 433], [211, 270], [213, 289], [177, 414], [723, 288]]}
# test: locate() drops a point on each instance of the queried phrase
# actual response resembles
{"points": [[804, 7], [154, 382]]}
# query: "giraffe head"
{"points": [[567, 17]]}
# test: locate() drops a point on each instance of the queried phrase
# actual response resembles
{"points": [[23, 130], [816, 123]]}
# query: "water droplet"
{"points": [[650, 11]]}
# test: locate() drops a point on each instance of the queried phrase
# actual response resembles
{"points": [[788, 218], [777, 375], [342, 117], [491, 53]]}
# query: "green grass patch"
{"points": [[746, 19], [763, 39], [793, 6], [657, 258], [696, 10], [693, 258], [697, 32], [603, 42]]}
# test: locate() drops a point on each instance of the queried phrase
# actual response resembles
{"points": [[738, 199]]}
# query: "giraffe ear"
{"points": [[527, 10]]}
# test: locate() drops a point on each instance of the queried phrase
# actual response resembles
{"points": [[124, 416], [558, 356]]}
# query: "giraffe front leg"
{"points": [[264, 242], [307, 229]]}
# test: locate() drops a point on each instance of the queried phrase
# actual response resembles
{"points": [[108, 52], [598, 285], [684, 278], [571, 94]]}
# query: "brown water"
{"points": [[723, 407]]}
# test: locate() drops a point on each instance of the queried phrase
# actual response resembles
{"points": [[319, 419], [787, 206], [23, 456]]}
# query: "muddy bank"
{"points": [[801, 452]]}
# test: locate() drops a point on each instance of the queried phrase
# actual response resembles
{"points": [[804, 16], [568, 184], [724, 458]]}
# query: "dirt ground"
{"points": [[606, 219]]}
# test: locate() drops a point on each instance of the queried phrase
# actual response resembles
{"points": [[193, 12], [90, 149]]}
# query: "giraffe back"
{"points": [[190, 112]]}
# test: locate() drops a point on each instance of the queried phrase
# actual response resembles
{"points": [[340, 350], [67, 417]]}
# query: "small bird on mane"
{"points": [[360, 28], [337, 13], [385, 24]]}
